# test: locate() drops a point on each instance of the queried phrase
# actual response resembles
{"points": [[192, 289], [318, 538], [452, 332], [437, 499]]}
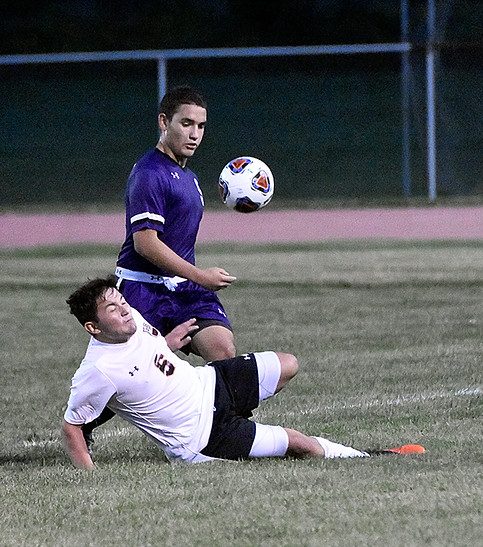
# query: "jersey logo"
{"points": [[149, 329], [164, 365], [131, 372], [174, 175]]}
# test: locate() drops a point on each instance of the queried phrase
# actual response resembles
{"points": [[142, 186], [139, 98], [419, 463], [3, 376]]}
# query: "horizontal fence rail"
{"points": [[207, 53]]}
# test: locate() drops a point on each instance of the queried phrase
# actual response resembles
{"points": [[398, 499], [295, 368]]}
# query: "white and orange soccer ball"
{"points": [[246, 184]]}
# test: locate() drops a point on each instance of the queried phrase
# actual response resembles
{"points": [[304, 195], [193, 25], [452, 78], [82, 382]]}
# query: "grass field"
{"points": [[388, 337]]}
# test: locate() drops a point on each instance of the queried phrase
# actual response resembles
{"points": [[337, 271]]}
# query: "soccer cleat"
{"points": [[405, 449]]}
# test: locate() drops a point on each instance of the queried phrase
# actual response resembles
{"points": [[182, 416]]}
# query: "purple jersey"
{"points": [[163, 196]]}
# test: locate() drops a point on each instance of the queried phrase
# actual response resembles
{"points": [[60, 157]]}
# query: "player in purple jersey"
{"points": [[156, 265], [164, 206]]}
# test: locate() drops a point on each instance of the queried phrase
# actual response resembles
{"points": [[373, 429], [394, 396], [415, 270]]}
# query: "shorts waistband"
{"points": [[169, 282]]}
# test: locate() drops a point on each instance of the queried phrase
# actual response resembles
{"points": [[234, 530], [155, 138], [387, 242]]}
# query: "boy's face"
{"points": [[184, 132], [115, 323]]}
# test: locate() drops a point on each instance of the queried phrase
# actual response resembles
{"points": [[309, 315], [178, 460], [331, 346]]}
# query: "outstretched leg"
{"points": [[302, 446], [276, 441]]}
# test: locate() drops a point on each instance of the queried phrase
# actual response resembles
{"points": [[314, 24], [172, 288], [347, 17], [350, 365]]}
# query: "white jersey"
{"points": [[148, 385]]}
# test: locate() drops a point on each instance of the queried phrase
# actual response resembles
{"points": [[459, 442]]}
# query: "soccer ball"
{"points": [[246, 184]]}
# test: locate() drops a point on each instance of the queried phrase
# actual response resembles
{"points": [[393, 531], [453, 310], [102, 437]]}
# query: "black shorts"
{"points": [[236, 395]]}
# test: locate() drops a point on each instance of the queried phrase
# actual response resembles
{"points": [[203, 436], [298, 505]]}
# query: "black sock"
{"points": [[104, 417]]}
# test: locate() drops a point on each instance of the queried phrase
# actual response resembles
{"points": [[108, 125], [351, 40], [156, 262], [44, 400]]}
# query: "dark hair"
{"points": [[83, 301], [176, 97]]}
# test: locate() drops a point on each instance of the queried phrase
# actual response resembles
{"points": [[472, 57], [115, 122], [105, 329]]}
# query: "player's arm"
{"points": [[75, 446], [149, 246]]}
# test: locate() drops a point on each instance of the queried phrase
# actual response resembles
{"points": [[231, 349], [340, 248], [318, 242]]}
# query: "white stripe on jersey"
{"points": [[150, 216]]}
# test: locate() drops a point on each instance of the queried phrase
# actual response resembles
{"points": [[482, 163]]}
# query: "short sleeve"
{"points": [[146, 201], [89, 394]]}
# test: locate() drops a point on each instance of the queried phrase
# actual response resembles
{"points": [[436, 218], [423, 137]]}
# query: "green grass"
{"points": [[388, 337]]}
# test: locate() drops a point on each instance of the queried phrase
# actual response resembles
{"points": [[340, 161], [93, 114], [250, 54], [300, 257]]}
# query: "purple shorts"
{"points": [[166, 309]]}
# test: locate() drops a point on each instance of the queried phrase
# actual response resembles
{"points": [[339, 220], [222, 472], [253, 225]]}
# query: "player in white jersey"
{"points": [[193, 414], [144, 382]]}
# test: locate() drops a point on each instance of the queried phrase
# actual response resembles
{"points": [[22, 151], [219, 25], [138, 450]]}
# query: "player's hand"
{"points": [[215, 279], [181, 335]]}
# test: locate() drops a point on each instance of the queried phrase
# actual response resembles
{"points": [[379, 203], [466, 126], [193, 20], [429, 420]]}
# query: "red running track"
{"points": [[20, 231]]}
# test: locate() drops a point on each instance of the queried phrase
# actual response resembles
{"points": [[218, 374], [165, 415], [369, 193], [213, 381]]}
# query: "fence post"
{"points": [[405, 103], [162, 78], [430, 101]]}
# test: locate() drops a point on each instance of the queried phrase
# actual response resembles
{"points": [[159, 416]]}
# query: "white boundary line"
{"points": [[398, 401], [407, 399], [119, 432]]}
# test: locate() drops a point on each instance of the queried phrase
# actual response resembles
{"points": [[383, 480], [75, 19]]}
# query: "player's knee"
{"points": [[225, 351], [224, 347], [216, 353], [288, 369], [289, 365], [214, 343]]}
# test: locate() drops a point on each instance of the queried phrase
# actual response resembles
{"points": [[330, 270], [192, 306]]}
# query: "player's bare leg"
{"points": [[289, 367], [304, 446], [214, 343]]}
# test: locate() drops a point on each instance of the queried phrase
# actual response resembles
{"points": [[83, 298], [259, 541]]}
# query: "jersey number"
{"points": [[164, 365]]}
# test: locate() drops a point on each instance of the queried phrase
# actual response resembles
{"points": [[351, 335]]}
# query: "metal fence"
{"points": [[165, 59]]}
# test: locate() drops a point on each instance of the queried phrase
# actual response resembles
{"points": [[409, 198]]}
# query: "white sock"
{"points": [[335, 450]]}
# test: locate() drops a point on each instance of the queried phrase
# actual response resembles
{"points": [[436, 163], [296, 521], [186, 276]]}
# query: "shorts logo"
{"points": [[261, 182], [237, 166]]}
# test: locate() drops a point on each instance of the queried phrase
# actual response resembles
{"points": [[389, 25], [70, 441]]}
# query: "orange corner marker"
{"points": [[408, 449]]}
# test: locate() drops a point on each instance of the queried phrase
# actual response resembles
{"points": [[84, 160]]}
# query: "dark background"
{"points": [[329, 127], [92, 25], [89, 25]]}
